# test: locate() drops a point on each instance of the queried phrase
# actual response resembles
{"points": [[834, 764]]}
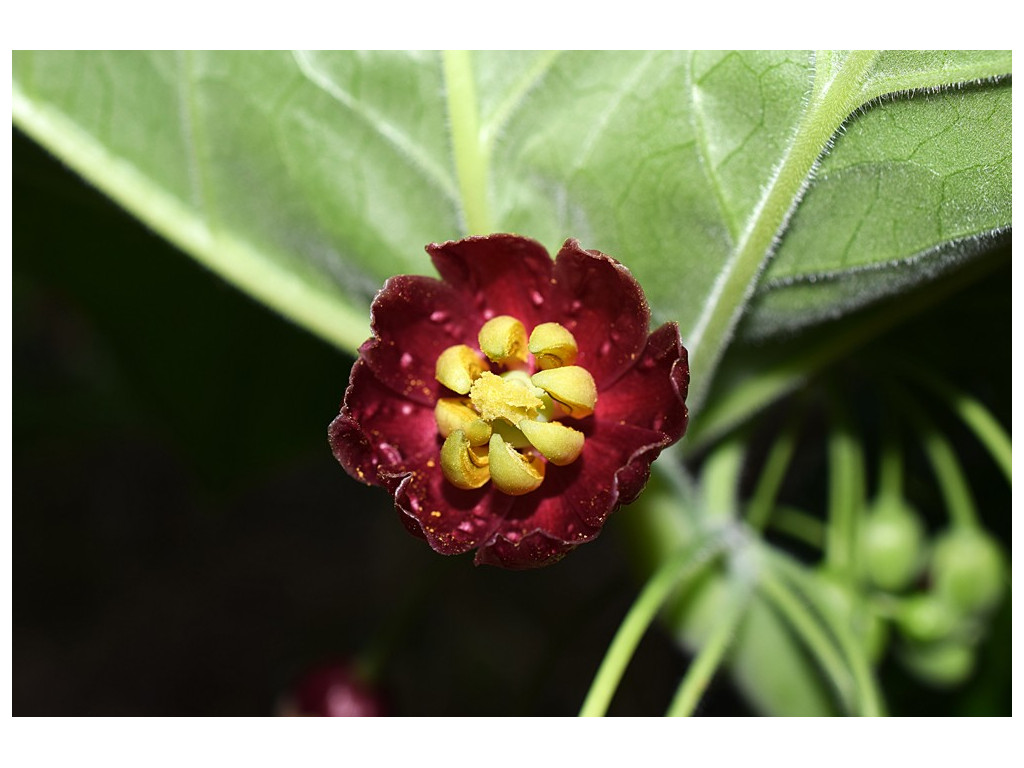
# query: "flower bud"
{"points": [[891, 545], [967, 569], [332, 690], [943, 664], [927, 618]]}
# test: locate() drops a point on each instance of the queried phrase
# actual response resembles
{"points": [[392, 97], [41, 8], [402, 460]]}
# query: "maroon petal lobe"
{"points": [[414, 319], [598, 299], [452, 521], [498, 275], [652, 394], [616, 464], [533, 551], [380, 434], [546, 509]]}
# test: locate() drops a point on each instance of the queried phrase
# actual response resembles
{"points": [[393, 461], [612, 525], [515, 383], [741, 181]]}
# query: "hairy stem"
{"points": [[834, 95]]}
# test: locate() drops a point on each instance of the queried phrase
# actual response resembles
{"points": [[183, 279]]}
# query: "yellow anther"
{"points": [[503, 340], [463, 466], [512, 472], [497, 397], [553, 346], [478, 432], [571, 386], [453, 413], [560, 444], [457, 367]]}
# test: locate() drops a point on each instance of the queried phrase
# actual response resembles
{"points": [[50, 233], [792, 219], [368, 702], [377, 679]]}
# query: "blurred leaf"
{"points": [[307, 178]]}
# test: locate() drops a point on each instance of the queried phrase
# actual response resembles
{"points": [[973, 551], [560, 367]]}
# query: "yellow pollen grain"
{"points": [[495, 397]]}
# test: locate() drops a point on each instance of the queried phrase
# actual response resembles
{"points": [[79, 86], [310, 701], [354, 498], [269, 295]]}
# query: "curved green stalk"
{"points": [[674, 573], [952, 481], [810, 631], [868, 693], [702, 668], [759, 509], [890, 464], [845, 492], [971, 411], [798, 524], [720, 478]]}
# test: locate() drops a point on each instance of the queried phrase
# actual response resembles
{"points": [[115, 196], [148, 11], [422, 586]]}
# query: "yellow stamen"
{"points": [[571, 386], [457, 367], [560, 444], [503, 340], [464, 467], [553, 346], [478, 432], [512, 472], [453, 413], [511, 435]]}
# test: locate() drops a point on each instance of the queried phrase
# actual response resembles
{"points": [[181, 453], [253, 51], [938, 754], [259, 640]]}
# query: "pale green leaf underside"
{"points": [[308, 178]]}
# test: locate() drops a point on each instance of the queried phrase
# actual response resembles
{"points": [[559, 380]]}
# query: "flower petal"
{"points": [[380, 434], [652, 394], [451, 520], [599, 301], [498, 275], [532, 551], [414, 319]]}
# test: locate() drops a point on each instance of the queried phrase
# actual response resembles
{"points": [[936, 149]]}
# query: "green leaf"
{"points": [[909, 193], [308, 178]]}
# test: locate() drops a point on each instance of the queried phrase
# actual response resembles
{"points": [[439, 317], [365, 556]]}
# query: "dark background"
{"points": [[185, 544]]}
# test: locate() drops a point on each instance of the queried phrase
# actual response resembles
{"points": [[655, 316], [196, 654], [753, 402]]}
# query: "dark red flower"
{"points": [[528, 445], [332, 690]]}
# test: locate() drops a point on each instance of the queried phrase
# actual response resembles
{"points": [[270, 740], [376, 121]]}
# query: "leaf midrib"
{"points": [[829, 105]]}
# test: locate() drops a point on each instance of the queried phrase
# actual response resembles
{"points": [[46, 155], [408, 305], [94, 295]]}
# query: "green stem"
{"points": [[831, 101], [798, 524], [471, 160], [952, 480], [774, 472], [868, 693], [673, 574], [810, 631], [720, 478], [845, 493], [971, 411], [890, 464], [702, 668]]}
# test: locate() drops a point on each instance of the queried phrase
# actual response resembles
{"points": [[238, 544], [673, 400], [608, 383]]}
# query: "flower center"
{"points": [[504, 427]]}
